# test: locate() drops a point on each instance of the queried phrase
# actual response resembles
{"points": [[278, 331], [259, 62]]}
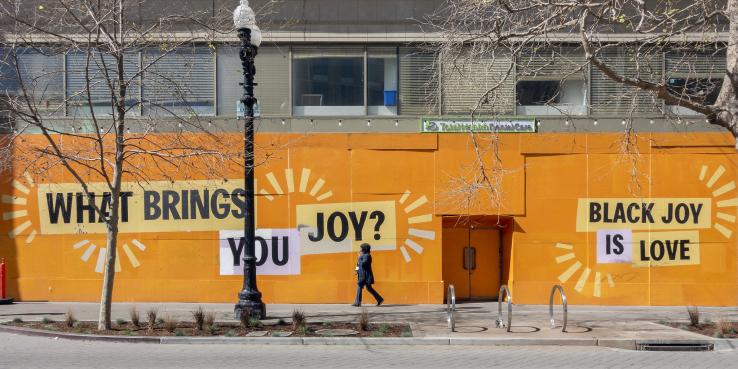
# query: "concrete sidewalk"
{"points": [[587, 325]]}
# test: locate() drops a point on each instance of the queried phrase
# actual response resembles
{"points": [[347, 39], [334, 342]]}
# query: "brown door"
{"points": [[471, 261]]}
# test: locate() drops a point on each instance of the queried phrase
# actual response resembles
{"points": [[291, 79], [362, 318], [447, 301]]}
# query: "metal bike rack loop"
{"points": [[451, 307], [508, 299], [551, 306]]}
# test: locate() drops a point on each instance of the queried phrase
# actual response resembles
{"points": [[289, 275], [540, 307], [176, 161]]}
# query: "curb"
{"points": [[624, 343]]}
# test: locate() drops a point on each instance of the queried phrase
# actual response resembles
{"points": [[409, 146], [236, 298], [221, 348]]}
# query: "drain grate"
{"points": [[675, 346]]}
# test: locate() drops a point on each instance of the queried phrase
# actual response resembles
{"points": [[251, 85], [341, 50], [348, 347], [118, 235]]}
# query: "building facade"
{"points": [[365, 133]]}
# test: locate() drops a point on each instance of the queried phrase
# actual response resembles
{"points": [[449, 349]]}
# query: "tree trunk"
{"points": [[106, 300], [727, 101]]}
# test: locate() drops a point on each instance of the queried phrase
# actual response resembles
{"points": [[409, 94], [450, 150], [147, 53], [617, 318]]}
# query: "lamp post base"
{"points": [[250, 305], [6, 301]]}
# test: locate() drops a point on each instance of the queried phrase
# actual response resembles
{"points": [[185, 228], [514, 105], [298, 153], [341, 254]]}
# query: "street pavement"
{"points": [[38, 352]]}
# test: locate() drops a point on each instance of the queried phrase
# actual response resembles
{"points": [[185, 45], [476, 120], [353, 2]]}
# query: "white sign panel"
{"points": [[614, 246], [277, 252]]}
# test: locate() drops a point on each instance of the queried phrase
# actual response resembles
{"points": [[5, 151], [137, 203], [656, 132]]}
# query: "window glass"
{"points": [[538, 92], [382, 81], [92, 77], [41, 76], [551, 97], [700, 90]]}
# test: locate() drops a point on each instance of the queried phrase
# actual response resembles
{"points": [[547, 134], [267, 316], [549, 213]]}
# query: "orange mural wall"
{"points": [[321, 195]]}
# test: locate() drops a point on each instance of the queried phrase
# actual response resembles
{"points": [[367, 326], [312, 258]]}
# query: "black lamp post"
{"points": [[249, 299]]}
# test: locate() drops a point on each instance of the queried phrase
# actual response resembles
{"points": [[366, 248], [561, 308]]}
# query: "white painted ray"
{"points": [[15, 214], [597, 285], [723, 230], [138, 244], [425, 218], [414, 245], [582, 280], [317, 186], [724, 188], [117, 264], [19, 229], [428, 235], [273, 181], [131, 256], [725, 216], [415, 204], [20, 187], [31, 236], [14, 200], [29, 179], [404, 196], [565, 257], [266, 194], [324, 196], [86, 255], [289, 176], [715, 176], [100, 260], [80, 244], [610, 282], [405, 254], [569, 272], [703, 172], [564, 246], [727, 203], [304, 178]]}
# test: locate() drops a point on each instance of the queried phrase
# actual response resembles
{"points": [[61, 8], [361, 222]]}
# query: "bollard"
{"points": [[4, 299]]}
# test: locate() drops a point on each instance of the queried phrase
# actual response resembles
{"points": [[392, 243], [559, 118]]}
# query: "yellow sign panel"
{"points": [[342, 227], [666, 248], [663, 213], [151, 207]]}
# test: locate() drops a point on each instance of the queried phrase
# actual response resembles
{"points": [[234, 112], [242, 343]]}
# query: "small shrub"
{"points": [[708, 321], [662, 322], [179, 333], [47, 320], [245, 318], [302, 330], [135, 317], [298, 319], [210, 319], [256, 323], [384, 328], [281, 322], [407, 332], [120, 321], [159, 320], [151, 319], [69, 319], [724, 325], [128, 332], [377, 334], [17, 320], [230, 333], [199, 317], [719, 334], [212, 329], [364, 320], [694, 316], [169, 323]]}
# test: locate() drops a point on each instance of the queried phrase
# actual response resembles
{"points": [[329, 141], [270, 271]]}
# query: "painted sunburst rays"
{"points": [[416, 218], [305, 184], [723, 191], [19, 202], [89, 248], [575, 266]]}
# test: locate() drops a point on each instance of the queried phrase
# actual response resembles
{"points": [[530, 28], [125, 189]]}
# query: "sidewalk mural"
{"points": [[218, 206], [649, 232]]}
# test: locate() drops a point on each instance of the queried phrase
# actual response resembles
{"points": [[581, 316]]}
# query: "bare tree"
{"points": [[103, 129], [626, 42]]}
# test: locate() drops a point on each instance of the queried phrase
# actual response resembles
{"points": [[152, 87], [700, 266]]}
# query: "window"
{"points": [[551, 97], [180, 82], [699, 90], [332, 81], [41, 76], [92, 76], [695, 75]]}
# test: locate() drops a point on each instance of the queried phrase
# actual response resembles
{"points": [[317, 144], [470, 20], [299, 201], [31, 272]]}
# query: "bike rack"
{"points": [[451, 307], [508, 298], [551, 307]]}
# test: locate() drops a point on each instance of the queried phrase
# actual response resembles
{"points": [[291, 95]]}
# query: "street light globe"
{"points": [[244, 17]]}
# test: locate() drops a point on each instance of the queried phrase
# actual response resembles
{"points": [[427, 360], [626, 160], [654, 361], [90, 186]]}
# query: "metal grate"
{"points": [[666, 346]]}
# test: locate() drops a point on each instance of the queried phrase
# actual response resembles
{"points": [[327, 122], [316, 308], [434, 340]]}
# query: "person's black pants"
{"points": [[369, 288]]}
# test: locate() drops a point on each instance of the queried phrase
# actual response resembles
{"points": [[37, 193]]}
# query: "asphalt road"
{"points": [[35, 352]]}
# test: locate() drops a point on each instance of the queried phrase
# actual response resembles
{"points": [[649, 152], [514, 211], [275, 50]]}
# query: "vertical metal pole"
{"points": [[249, 299], [2, 279]]}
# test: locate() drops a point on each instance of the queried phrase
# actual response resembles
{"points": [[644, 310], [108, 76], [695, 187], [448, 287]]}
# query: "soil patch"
{"points": [[187, 329], [711, 329]]}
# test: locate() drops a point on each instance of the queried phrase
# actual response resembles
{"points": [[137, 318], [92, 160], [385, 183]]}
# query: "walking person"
{"points": [[365, 275]]}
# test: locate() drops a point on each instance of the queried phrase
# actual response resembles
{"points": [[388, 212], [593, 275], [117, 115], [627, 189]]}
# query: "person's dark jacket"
{"points": [[365, 269]]}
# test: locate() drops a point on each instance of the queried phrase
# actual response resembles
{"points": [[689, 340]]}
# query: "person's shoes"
{"points": [[380, 302], [356, 305]]}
